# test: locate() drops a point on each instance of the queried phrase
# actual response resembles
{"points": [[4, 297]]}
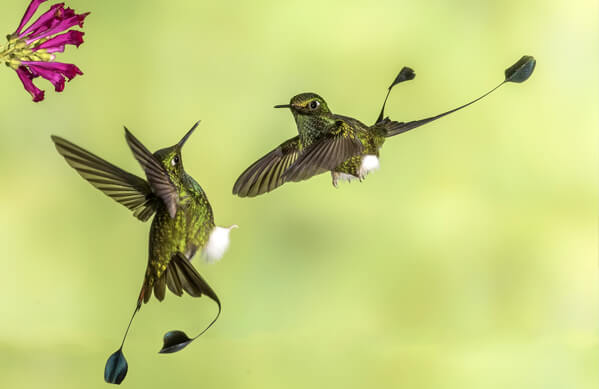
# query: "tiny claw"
{"points": [[334, 178]]}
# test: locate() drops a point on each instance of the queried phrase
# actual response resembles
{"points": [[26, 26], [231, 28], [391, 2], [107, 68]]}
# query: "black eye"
{"points": [[175, 160], [314, 104]]}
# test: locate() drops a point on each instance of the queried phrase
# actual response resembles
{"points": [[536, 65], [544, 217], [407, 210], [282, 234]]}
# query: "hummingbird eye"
{"points": [[175, 160], [314, 104]]}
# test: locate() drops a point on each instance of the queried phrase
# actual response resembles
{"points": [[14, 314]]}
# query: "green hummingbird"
{"points": [[345, 146], [183, 221]]}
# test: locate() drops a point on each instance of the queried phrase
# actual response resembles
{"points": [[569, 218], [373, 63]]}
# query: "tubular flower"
{"points": [[30, 51]]}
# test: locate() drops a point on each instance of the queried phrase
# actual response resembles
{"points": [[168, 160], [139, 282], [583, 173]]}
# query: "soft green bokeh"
{"points": [[468, 261]]}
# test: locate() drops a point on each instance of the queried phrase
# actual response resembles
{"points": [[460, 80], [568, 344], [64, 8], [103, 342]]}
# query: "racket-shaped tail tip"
{"points": [[521, 70], [174, 341], [116, 368], [405, 74]]}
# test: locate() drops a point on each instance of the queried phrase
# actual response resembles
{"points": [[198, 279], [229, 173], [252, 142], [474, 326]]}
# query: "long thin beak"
{"points": [[184, 139], [283, 106]]}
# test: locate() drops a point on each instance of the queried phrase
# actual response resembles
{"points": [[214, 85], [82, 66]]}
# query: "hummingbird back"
{"points": [[184, 234]]}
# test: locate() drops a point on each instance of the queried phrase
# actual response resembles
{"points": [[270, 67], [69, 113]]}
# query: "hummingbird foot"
{"points": [[335, 177]]}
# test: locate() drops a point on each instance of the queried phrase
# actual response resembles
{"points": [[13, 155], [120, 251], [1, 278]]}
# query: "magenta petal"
{"points": [[51, 23], [48, 21], [64, 24], [26, 76], [68, 12], [33, 6], [66, 69], [57, 43], [54, 77], [45, 20]]}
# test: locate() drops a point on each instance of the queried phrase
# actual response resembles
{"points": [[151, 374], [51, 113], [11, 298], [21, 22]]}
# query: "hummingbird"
{"points": [[183, 223], [342, 145]]}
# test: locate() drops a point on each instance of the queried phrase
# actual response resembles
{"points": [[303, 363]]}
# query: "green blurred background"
{"points": [[468, 261]]}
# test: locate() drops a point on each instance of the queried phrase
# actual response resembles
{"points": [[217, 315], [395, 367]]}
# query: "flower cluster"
{"points": [[31, 51]]}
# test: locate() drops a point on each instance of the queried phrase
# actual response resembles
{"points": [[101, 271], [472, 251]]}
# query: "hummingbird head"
{"points": [[170, 157], [307, 104]]}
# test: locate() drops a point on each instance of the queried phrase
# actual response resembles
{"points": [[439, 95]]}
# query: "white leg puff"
{"points": [[217, 244], [369, 163]]}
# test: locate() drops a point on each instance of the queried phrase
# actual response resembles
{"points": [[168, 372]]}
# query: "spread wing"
{"points": [[326, 153], [266, 173], [131, 191], [157, 176]]}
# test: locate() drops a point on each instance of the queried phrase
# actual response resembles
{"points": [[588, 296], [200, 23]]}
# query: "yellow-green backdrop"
{"points": [[468, 261]]}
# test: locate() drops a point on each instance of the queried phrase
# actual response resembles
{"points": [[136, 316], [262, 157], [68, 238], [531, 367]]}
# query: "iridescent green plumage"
{"points": [[340, 144], [183, 217], [182, 225], [184, 233], [326, 142]]}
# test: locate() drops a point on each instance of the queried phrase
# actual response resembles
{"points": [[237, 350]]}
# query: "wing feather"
{"points": [[325, 154], [157, 176], [266, 174], [128, 189]]}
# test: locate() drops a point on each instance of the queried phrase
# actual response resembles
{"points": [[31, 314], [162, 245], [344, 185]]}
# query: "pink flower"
{"points": [[31, 50]]}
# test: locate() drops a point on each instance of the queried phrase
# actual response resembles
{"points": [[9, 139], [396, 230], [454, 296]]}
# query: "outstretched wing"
{"points": [[266, 173], [157, 176], [326, 153], [131, 191]]}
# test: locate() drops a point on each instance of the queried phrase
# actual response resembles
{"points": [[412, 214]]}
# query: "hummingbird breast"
{"points": [[311, 128], [187, 232]]}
